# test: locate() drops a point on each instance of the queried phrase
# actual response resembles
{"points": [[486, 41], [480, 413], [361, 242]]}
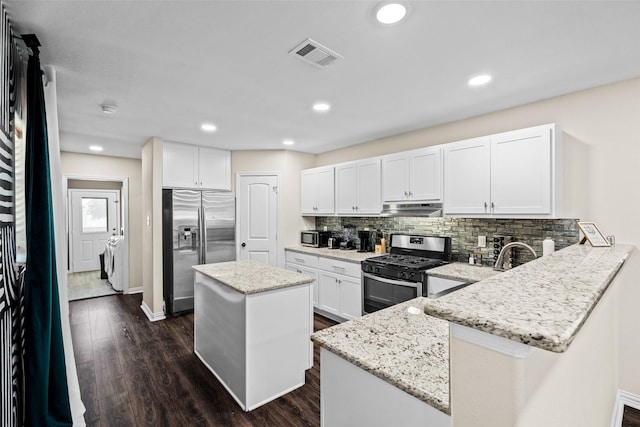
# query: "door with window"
{"points": [[95, 216]]}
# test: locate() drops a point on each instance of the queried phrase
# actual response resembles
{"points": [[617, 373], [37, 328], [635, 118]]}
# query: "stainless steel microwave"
{"points": [[315, 238]]}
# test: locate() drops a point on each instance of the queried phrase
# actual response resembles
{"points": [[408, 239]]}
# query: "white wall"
{"points": [[89, 165], [288, 164]]}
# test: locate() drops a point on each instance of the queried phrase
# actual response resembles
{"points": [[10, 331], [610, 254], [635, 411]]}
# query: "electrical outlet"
{"points": [[482, 241]]}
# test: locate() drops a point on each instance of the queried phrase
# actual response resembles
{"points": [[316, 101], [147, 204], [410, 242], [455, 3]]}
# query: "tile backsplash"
{"points": [[464, 232]]}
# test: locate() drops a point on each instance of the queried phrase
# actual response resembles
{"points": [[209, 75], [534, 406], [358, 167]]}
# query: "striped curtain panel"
{"points": [[11, 282]]}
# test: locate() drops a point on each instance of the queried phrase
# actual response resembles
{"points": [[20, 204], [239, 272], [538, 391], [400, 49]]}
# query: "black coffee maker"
{"points": [[365, 239]]}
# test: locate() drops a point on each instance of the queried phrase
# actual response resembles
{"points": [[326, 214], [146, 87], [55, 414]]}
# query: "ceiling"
{"points": [[169, 66]]}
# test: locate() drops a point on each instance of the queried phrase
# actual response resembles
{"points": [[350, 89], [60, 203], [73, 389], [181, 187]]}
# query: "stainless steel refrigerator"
{"points": [[198, 227]]}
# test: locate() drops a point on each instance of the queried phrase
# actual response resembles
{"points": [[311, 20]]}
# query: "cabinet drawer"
{"points": [[302, 259], [340, 267]]}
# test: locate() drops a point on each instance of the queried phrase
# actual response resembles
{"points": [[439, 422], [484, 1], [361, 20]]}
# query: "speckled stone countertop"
{"points": [[401, 346], [462, 271], [350, 255], [252, 277], [542, 303]]}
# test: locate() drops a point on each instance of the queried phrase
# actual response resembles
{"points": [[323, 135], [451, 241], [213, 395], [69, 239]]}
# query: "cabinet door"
{"points": [[346, 188], [325, 191], [308, 191], [311, 272], [521, 171], [425, 168], [350, 297], [467, 177], [329, 293], [368, 191], [395, 177], [179, 165], [214, 169]]}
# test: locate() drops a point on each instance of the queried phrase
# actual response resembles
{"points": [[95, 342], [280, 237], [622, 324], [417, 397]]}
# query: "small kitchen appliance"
{"points": [[401, 275], [334, 243], [365, 241], [315, 238]]}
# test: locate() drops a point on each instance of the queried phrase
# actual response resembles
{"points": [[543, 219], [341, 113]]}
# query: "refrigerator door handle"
{"points": [[203, 246]]}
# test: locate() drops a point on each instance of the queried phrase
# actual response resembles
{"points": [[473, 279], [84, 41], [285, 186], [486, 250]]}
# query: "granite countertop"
{"points": [[463, 271], [252, 277], [401, 346], [542, 303], [350, 255]]}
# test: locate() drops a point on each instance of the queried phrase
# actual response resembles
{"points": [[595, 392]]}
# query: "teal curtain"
{"points": [[46, 390]]}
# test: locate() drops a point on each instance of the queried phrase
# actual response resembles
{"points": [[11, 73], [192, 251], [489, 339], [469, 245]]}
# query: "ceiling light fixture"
{"points": [[321, 107], [208, 127], [95, 148], [288, 142], [390, 13], [108, 108], [480, 80]]}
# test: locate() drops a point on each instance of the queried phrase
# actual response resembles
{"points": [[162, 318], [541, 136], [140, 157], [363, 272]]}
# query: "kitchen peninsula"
{"points": [[252, 324], [536, 348]]}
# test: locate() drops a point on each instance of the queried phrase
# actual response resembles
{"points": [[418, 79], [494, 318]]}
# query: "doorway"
{"points": [[97, 236], [257, 217]]}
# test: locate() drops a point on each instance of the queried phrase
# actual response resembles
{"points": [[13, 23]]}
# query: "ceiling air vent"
{"points": [[313, 52]]}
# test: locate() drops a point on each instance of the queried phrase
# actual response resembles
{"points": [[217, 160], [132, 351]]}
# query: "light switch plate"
{"points": [[482, 241]]}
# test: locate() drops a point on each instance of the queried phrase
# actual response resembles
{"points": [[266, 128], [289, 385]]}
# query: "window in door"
{"points": [[94, 215]]}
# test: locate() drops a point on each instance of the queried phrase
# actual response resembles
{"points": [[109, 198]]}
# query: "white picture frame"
{"points": [[623, 398], [593, 234]]}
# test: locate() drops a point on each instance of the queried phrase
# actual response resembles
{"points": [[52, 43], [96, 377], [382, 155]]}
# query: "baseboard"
{"points": [[623, 398], [154, 317], [136, 290]]}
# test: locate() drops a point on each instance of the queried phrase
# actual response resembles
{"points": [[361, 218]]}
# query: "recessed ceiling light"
{"points": [[108, 108], [208, 127], [321, 107], [95, 148], [391, 13], [480, 80], [288, 142]]}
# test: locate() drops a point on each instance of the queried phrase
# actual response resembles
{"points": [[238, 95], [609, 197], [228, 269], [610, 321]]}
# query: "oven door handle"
{"points": [[390, 281]]}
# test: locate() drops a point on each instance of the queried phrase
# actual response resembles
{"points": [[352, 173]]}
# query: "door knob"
{"points": [[243, 245]]}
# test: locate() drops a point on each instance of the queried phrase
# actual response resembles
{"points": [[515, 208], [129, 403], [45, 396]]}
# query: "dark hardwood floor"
{"points": [[133, 372]]}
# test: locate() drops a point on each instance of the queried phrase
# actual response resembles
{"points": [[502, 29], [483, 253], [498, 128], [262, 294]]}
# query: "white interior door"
{"points": [[94, 218], [258, 218]]}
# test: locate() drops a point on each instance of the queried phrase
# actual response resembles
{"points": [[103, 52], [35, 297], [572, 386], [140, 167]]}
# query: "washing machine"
{"points": [[114, 261]]}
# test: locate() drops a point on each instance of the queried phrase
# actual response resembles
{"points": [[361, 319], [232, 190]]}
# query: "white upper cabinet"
{"points": [[191, 166], [214, 169], [179, 165], [511, 174], [317, 191], [467, 178], [358, 187], [413, 175]]}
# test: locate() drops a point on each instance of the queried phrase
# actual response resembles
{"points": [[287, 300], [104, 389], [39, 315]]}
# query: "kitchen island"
{"points": [[528, 347], [252, 324]]}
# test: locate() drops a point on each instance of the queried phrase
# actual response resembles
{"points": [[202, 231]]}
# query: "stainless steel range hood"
{"points": [[412, 209]]}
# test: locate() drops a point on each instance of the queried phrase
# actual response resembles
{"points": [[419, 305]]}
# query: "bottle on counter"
{"points": [[548, 246], [472, 260], [383, 245]]}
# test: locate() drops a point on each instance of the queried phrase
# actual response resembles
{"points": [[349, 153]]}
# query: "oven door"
{"points": [[379, 292]]}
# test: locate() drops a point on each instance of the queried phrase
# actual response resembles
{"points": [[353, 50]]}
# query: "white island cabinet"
{"points": [[252, 328]]}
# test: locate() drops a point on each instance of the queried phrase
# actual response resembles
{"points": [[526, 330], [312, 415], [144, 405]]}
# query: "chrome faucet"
{"points": [[500, 261]]}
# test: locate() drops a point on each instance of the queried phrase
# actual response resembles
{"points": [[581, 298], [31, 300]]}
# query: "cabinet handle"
{"points": [[405, 193], [485, 205], [492, 206], [300, 260], [337, 268], [410, 194]]}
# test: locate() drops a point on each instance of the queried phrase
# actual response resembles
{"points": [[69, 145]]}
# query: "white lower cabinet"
{"points": [[304, 264], [337, 286], [340, 289]]}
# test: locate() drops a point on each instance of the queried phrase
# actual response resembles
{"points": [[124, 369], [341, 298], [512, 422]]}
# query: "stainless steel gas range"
{"points": [[401, 275]]}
